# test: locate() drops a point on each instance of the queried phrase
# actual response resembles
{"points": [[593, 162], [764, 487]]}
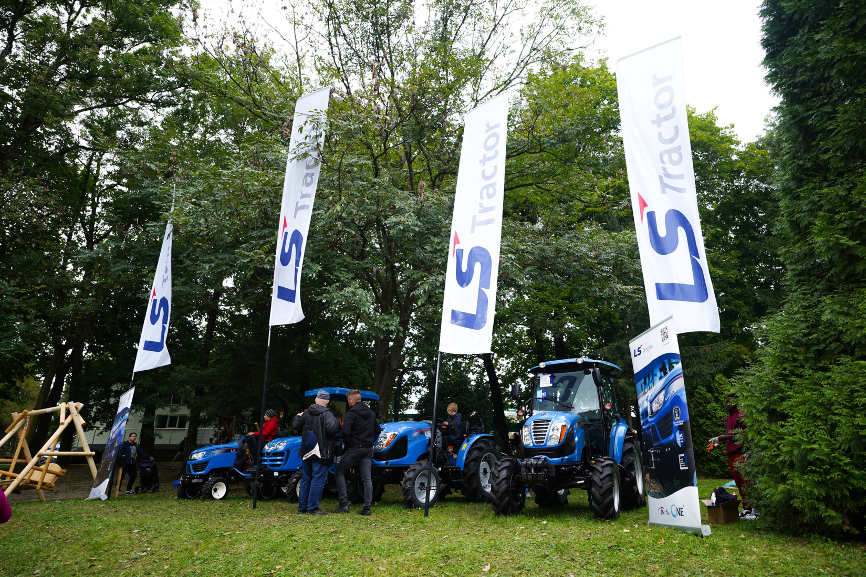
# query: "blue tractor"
{"points": [[664, 415], [209, 471], [575, 438]]}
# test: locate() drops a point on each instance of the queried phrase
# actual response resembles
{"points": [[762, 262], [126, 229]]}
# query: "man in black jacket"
{"points": [[360, 431], [128, 457], [319, 420]]}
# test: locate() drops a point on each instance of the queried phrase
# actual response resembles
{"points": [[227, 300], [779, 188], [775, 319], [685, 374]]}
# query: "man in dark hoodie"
{"points": [[320, 420], [128, 457], [360, 431]]}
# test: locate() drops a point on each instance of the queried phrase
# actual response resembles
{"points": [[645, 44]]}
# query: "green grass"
{"points": [[159, 535]]}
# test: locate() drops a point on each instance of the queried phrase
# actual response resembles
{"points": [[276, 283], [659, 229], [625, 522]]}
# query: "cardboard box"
{"points": [[723, 514]]}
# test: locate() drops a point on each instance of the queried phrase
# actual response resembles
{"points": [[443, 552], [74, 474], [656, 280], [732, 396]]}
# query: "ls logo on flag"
{"points": [[477, 254], [157, 308], [290, 245], [665, 245]]}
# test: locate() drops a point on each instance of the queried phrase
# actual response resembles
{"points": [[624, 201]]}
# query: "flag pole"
{"points": [[259, 447], [432, 455]]}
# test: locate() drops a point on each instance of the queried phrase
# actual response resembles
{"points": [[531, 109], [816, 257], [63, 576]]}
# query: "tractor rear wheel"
{"points": [[292, 487], [550, 498], [507, 491], [215, 488], [604, 491], [266, 492], [413, 488], [634, 489], [478, 466]]}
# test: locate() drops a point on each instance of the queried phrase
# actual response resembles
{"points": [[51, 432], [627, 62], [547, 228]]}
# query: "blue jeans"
{"points": [[313, 477]]}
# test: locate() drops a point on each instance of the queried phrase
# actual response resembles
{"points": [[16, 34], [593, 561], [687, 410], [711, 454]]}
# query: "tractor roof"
{"points": [[342, 392], [569, 365]]}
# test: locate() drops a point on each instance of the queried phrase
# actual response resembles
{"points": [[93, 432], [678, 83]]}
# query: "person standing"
{"points": [[180, 448], [128, 457], [360, 431], [735, 422], [319, 420], [455, 426]]}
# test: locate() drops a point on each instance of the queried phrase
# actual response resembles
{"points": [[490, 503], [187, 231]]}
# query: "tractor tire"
{"points": [[188, 491], [413, 488], [292, 488], [378, 491], [266, 492], [634, 490], [477, 469], [507, 491], [549, 498], [604, 492], [355, 492], [215, 488]]}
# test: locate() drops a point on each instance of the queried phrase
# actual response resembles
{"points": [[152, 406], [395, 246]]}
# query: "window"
{"points": [[170, 422], [175, 400]]}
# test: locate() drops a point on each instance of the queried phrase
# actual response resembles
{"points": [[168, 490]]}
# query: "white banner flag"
{"points": [[661, 177], [152, 352], [476, 231], [299, 193], [100, 488]]}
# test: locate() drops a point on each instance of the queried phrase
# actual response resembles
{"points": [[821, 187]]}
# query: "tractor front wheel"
{"points": [[293, 488], [507, 491], [478, 466], [215, 488], [550, 498], [188, 492], [266, 492], [413, 488], [604, 491], [634, 489]]}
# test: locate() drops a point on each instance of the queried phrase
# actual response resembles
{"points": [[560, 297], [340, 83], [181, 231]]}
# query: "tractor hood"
{"points": [[405, 427], [283, 444], [539, 425], [213, 450]]}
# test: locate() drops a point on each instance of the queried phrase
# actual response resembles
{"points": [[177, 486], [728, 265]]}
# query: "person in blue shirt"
{"points": [[128, 457], [455, 426]]}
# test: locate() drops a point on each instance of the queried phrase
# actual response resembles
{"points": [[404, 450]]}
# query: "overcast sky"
{"points": [[721, 52]]}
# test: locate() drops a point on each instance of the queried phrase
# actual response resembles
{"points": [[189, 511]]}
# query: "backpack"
{"points": [[310, 443]]}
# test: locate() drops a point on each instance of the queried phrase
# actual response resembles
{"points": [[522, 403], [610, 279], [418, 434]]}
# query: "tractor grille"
{"points": [[198, 467], [275, 460], [666, 426], [539, 432]]}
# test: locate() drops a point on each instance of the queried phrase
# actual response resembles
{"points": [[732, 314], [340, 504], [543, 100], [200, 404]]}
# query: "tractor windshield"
{"points": [[572, 392]]}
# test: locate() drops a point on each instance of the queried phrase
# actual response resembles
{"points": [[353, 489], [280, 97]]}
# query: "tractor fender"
{"points": [[617, 437], [467, 444]]}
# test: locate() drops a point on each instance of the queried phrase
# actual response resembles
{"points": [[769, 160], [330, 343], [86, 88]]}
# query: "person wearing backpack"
{"points": [[319, 430]]}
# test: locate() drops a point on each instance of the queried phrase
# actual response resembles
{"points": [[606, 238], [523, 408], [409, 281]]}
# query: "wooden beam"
{"points": [[32, 460], [16, 418], [79, 424]]}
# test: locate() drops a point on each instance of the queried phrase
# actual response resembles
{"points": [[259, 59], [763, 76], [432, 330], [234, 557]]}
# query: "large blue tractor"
{"points": [[575, 438]]}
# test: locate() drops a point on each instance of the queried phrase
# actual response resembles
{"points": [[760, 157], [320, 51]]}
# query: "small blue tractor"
{"points": [[575, 438], [664, 416], [209, 471]]}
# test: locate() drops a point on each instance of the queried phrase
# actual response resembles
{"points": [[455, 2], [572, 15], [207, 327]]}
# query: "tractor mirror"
{"points": [[596, 377], [515, 390]]}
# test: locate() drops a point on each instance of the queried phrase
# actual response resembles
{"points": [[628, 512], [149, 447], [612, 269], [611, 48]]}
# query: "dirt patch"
{"points": [[77, 482]]}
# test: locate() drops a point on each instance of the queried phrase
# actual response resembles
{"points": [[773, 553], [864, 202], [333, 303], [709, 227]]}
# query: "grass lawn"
{"points": [[157, 534]]}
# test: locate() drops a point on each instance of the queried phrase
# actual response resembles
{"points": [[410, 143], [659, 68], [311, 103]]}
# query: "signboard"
{"points": [[669, 457], [101, 485]]}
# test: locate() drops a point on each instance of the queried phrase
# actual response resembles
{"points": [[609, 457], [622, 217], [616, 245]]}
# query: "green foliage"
{"points": [[804, 398]]}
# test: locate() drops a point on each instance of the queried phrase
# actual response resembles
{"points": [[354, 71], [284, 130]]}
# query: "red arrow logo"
{"points": [[456, 242], [153, 296], [641, 206], [285, 225]]}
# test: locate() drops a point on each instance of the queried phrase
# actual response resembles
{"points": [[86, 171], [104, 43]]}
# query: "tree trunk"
{"points": [[539, 350], [499, 419], [74, 391], [43, 424], [147, 438], [559, 347], [389, 361], [204, 363]]}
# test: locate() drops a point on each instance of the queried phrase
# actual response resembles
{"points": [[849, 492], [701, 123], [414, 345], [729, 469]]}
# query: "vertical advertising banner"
{"points": [[476, 232], [668, 453], [661, 177], [152, 352], [299, 194], [101, 489]]}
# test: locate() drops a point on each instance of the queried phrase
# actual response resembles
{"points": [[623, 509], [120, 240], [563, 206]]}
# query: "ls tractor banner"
{"points": [[668, 453], [152, 351], [101, 484], [476, 232], [299, 194], [661, 177]]}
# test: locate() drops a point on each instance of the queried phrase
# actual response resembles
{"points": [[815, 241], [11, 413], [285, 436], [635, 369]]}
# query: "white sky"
{"points": [[721, 48], [721, 52]]}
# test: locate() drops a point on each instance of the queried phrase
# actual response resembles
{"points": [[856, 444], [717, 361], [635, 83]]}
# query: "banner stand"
{"points": [[260, 445], [432, 455]]}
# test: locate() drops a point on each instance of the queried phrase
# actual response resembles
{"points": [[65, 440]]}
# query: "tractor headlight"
{"points": [[385, 439], [557, 433], [657, 403], [527, 435], [197, 455], [277, 446]]}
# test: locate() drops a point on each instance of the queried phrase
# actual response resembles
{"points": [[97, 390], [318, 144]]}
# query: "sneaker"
{"points": [[302, 511], [130, 492], [365, 511], [341, 509], [316, 512]]}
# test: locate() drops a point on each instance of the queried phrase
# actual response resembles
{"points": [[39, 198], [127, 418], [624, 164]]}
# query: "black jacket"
{"points": [[321, 421], [360, 427], [130, 454], [455, 428]]}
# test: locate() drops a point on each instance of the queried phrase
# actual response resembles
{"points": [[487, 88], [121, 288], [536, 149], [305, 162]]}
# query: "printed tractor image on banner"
{"points": [[669, 458]]}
